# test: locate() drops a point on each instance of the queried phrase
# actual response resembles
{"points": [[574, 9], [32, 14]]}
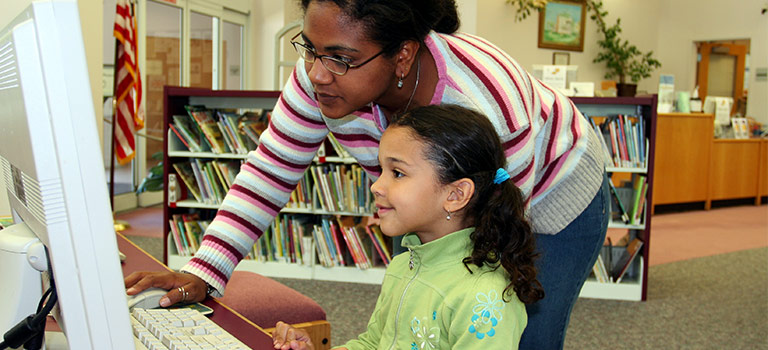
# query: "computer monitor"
{"points": [[54, 175]]}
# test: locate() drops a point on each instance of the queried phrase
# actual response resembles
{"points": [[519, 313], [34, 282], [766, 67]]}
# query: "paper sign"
{"points": [[554, 76]]}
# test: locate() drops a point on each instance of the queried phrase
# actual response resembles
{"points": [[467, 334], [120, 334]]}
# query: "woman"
{"points": [[362, 63]]}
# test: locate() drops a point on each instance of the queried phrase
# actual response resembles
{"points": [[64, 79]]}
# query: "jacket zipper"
{"points": [[402, 297]]}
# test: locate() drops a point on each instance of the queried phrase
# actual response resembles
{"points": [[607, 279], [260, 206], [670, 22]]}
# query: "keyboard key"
{"points": [[179, 329]]}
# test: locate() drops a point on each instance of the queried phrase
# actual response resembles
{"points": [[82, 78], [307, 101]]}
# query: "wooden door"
{"points": [[720, 71]]}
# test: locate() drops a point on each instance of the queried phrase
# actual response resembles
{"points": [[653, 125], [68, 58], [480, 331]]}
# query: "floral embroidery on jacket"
{"points": [[426, 335], [486, 314]]}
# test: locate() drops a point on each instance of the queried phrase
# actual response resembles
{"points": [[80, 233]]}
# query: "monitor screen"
{"points": [[52, 167]]}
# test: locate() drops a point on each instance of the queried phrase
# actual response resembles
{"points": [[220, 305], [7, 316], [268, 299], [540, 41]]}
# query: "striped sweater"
{"points": [[552, 153]]}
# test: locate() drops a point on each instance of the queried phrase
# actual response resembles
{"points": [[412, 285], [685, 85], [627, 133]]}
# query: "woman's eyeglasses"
{"points": [[333, 64]]}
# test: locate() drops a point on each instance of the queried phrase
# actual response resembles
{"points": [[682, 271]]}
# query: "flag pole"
{"points": [[114, 121]]}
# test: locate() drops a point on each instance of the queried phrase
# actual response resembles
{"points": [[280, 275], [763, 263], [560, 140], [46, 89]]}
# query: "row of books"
{"points": [[219, 131], [186, 231], [207, 181], [330, 187], [293, 239], [629, 200], [614, 261], [624, 141], [341, 188], [298, 239]]}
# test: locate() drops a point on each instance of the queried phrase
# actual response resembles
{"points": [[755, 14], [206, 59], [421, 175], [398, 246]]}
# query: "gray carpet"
{"points": [[716, 302]]}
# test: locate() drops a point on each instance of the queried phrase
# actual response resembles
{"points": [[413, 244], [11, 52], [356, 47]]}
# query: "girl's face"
{"points": [[408, 195], [331, 33]]}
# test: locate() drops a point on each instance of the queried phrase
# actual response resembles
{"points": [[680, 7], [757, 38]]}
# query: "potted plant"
{"points": [[154, 180], [623, 60]]}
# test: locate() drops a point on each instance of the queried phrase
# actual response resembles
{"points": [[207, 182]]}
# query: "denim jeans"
{"points": [[564, 264]]}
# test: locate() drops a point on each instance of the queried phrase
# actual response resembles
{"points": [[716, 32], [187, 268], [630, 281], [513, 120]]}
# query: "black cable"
{"points": [[30, 331]]}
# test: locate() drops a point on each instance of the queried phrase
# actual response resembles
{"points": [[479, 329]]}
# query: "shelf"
{"points": [[176, 152], [188, 154], [612, 169], [374, 275], [621, 225], [631, 290], [635, 289], [191, 203]]}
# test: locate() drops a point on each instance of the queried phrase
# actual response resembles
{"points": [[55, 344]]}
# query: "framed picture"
{"points": [[561, 25], [561, 58]]}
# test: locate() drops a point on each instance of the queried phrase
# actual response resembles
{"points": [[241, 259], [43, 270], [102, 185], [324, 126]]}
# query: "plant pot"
{"points": [[626, 90]]}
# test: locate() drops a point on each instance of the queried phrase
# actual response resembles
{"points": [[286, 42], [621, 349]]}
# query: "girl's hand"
{"points": [[287, 337]]}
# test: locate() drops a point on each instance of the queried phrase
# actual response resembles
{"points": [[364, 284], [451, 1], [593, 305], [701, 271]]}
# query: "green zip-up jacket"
{"points": [[429, 300]]}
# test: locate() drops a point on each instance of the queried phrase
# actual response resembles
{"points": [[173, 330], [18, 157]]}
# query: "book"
{"points": [[188, 131], [378, 237], [638, 193], [599, 270], [337, 147], [177, 242], [181, 138], [614, 194], [184, 170], [622, 265], [209, 128]]}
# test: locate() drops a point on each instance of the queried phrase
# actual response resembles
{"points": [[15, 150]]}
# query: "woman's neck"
{"points": [[422, 86]]}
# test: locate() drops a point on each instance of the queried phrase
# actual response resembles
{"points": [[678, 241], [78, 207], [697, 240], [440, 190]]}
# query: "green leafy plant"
{"points": [[525, 7], [622, 59], [154, 180]]}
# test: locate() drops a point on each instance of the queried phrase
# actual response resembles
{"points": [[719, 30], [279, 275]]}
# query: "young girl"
{"points": [[470, 262]]}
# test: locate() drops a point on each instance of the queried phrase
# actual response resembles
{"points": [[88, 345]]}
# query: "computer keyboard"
{"points": [[179, 329]]}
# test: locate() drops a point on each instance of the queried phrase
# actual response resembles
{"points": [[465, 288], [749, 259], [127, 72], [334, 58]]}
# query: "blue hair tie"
{"points": [[501, 176]]}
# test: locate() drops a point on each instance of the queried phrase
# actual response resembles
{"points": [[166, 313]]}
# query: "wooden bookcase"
{"points": [[175, 98], [634, 288]]}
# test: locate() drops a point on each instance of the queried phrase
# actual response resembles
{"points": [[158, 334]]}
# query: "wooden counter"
{"points": [[683, 152], [692, 166]]}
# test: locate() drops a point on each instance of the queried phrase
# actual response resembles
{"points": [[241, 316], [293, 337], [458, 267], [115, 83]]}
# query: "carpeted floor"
{"points": [[715, 301]]}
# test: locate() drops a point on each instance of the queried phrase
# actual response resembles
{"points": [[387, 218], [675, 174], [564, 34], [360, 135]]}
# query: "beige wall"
{"points": [[668, 27], [93, 42], [520, 39], [682, 22]]}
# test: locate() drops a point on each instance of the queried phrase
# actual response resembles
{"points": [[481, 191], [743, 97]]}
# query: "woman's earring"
{"points": [[448, 217], [400, 81]]}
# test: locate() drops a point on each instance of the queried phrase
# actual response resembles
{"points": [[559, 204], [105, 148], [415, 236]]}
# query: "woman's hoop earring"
{"points": [[400, 81]]}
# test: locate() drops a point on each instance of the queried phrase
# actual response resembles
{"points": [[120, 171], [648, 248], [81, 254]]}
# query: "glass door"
{"points": [[181, 43]]}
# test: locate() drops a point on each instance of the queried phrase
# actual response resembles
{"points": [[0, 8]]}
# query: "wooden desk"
{"points": [[247, 332]]}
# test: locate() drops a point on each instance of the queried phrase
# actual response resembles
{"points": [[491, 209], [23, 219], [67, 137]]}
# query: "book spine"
{"points": [[622, 211]]}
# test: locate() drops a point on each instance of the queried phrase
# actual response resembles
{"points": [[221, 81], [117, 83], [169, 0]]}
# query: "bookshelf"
{"points": [[634, 285], [175, 100]]}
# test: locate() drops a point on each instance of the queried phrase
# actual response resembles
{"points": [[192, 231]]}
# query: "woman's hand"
{"points": [[286, 337], [181, 287]]}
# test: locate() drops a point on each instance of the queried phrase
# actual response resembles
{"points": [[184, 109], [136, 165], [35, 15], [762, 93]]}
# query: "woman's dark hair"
{"points": [[462, 143], [391, 22]]}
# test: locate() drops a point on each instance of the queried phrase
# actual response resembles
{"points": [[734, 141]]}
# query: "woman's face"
{"points": [[331, 33]]}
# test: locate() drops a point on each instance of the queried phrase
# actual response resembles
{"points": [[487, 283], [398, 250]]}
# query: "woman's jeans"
{"points": [[564, 264]]}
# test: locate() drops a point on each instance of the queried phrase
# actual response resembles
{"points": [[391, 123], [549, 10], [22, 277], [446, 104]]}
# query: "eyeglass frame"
{"points": [[322, 58]]}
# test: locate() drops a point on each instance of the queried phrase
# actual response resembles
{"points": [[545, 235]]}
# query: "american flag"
{"points": [[129, 114]]}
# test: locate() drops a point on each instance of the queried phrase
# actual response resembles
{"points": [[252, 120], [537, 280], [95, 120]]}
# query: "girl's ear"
{"points": [[406, 57], [461, 192]]}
